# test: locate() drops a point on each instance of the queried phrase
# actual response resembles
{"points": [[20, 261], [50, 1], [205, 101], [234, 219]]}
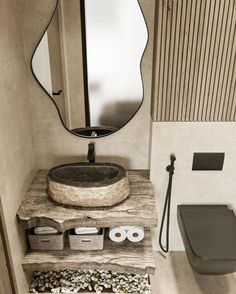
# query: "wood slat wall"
{"points": [[194, 61]]}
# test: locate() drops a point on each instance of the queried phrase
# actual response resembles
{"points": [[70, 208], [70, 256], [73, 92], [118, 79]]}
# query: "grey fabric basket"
{"points": [[46, 242], [86, 242]]}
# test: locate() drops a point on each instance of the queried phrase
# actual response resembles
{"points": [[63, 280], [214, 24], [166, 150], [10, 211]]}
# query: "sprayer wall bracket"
{"points": [[170, 169]]}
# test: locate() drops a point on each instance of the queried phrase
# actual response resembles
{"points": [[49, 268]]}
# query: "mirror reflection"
{"points": [[88, 61]]}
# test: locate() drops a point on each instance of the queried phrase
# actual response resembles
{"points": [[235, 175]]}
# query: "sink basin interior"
{"points": [[87, 175]]}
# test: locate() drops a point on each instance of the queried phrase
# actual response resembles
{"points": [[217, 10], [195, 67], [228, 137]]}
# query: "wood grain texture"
{"points": [[195, 61], [5, 284], [123, 257], [138, 209]]}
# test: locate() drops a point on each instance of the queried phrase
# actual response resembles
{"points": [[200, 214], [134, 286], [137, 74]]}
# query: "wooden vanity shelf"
{"points": [[138, 209], [137, 258]]}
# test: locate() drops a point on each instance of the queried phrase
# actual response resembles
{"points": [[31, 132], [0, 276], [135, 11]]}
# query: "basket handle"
{"points": [[86, 240]]}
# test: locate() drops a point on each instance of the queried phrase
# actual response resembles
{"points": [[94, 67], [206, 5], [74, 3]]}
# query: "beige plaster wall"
{"points": [[54, 145], [183, 139], [17, 155]]}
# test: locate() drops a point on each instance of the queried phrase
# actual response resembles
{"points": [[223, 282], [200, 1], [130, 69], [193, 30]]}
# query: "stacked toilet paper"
{"points": [[132, 233]]}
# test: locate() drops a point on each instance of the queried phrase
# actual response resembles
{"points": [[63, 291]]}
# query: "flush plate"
{"points": [[208, 161]]}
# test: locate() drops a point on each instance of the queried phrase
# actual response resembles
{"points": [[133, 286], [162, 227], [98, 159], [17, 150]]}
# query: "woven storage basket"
{"points": [[46, 242], [86, 242]]}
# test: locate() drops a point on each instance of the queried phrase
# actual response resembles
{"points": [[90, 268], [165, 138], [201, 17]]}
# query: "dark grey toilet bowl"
{"points": [[209, 236]]}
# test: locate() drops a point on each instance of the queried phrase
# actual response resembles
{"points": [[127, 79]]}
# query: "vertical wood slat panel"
{"points": [[162, 58], [185, 51], [231, 109], [192, 25], [222, 106], [180, 40], [195, 61], [177, 12], [219, 59], [211, 65], [196, 65], [172, 23], [228, 49], [156, 57]]}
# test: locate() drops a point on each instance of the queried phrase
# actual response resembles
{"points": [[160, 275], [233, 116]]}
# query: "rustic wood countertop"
{"points": [[137, 258], [138, 209]]}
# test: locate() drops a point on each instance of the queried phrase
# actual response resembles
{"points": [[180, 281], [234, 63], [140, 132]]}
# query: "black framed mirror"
{"points": [[89, 63]]}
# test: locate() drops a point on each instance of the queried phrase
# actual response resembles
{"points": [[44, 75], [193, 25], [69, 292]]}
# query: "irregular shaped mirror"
{"points": [[88, 62]]}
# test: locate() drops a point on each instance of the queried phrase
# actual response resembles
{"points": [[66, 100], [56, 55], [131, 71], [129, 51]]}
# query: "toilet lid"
{"points": [[210, 230]]}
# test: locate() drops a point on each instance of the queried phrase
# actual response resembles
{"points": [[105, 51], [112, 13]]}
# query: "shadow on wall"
{"points": [[187, 281], [119, 113]]}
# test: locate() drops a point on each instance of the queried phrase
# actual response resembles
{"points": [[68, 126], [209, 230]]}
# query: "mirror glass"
{"points": [[89, 63]]}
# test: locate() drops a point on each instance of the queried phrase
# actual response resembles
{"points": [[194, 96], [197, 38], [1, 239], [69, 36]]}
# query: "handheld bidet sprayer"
{"points": [[166, 211]]}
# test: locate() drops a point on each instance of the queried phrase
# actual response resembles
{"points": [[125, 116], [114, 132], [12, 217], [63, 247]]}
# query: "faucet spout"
{"points": [[91, 153]]}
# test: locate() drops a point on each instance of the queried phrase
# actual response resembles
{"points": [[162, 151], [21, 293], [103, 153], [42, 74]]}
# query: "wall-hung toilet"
{"points": [[209, 236]]}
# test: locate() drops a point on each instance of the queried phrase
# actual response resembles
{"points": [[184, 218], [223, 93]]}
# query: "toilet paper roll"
{"points": [[126, 228], [117, 234], [135, 234]]}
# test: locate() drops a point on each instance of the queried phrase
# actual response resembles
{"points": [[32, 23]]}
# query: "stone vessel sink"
{"points": [[88, 184]]}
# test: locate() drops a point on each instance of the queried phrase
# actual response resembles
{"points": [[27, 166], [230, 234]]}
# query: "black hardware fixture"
{"points": [[170, 169], [91, 153], [85, 65], [58, 93], [208, 161]]}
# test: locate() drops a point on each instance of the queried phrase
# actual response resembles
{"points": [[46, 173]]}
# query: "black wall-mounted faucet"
{"points": [[91, 153]]}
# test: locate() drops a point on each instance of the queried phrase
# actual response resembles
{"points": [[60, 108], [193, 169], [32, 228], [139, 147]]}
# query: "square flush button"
{"points": [[208, 161]]}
